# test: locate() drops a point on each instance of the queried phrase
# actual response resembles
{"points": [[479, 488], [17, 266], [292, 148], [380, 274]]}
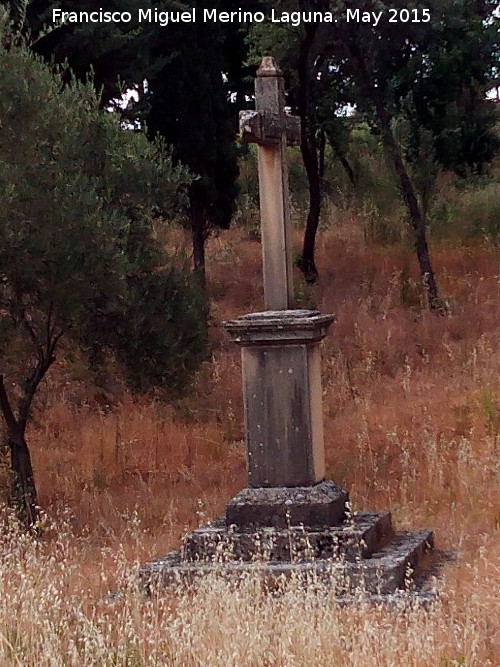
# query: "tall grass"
{"points": [[412, 424], [55, 610]]}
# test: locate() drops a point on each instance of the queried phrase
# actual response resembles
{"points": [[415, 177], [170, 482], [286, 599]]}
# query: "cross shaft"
{"points": [[272, 129]]}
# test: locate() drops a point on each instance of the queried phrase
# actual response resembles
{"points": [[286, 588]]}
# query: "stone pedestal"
{"points": [[281, 368], [317, 507], [358, 554], [290, 521]]}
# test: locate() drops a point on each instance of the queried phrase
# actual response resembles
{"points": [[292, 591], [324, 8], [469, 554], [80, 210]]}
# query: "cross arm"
{"points": [[266, 128]]}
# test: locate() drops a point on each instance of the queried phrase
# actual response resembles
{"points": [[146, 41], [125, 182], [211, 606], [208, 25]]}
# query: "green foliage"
{"points": [[78, 196], [467, 210], [186, 99], [455, 60], [189, 108], [432, 77], [117, 54], [157, 334], [482, 209]]}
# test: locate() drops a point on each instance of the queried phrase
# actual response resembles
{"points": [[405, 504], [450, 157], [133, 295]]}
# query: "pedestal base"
{"points": [[317, 506], [358, 553], [388, 571]]}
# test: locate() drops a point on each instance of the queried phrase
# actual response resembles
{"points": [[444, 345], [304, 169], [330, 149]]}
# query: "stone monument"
{"points": [[289, 520]]}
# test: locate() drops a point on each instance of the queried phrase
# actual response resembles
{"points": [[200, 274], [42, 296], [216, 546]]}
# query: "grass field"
{"points": [[412, 424]]}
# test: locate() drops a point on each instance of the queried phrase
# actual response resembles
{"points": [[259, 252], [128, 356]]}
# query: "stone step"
{"points": [[316, 507], [388, 570], [356, 538]]}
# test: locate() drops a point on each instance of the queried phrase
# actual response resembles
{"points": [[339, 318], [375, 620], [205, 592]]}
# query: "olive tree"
{"points": [[80, 200]]}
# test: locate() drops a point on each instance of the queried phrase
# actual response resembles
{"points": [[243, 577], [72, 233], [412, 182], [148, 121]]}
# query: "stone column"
{"points": [[272, 130]]}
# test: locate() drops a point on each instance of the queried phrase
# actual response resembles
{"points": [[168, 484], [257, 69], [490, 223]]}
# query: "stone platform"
{"points": [[302, 532]]}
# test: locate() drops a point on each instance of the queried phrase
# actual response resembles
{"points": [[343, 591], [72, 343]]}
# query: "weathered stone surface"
{"points": [[281, 363], [281, 367], [387, 571], [291, 523], [279, 327], [270, 127], [267, 124], [315, 507], [354, 539], [265, 128]]}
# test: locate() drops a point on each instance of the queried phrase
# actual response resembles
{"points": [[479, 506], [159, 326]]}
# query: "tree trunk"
{"points": [[419, 234], [198, 234], [307, 263], [23, 489], [321, 154], [309, 150], [342, 157], [416, 217]]}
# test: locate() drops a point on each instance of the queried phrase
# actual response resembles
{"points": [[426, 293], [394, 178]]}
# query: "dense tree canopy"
{"points": [[186, 99], [422, 67], [420, 73], [189, 107], [79, 201]]}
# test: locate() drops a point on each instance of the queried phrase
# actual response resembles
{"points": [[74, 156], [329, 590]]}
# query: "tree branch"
{"points": [[10, 420], [48, 328], [19, 310], [32, 334], [31, 385]]}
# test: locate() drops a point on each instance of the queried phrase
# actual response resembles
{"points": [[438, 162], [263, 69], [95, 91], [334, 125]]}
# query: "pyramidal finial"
{"points": [[268, 67]]}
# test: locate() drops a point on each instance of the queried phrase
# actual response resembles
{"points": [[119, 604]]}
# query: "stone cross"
{"points": [[281, 363], [272, 130], [290, 517]]}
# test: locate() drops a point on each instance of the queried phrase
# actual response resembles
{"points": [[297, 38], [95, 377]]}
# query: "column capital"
{"points": [[279, 327]]}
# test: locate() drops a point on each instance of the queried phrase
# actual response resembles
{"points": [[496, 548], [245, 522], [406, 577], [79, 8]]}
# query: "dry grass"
{"points": [[412, 423]]}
